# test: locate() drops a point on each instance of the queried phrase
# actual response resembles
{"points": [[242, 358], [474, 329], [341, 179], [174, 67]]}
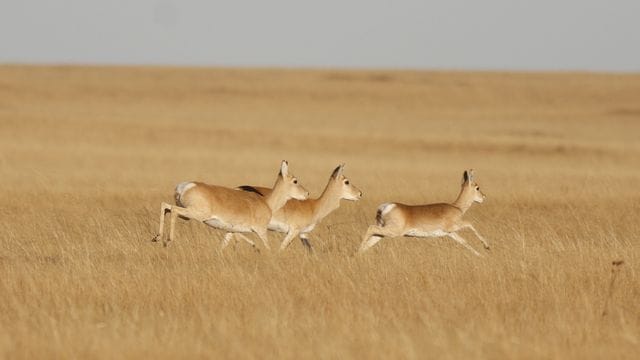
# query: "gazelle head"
{"points": [[469, 185], [339, 183], [292, 186]]}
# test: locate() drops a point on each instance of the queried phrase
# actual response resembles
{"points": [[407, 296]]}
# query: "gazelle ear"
{"points": [[471, 175], [337, 171], [284, 168], [465, 177]]}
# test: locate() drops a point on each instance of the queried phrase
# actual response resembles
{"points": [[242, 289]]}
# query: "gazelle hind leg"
{"points": [[374, 234], [164, 208], [175, 212], [460, 240], [369, 242]]}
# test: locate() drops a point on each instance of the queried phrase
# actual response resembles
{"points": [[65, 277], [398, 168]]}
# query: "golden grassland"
{"points": [[88, 153]]}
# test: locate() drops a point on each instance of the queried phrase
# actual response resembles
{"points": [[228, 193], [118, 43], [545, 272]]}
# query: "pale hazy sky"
{"points": [[489, 34]]}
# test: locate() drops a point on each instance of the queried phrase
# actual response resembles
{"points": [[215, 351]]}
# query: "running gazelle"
{"points": [[299, 217], [433, 220], [229, 209]]}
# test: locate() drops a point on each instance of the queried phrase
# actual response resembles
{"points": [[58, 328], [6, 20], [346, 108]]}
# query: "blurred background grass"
{"points": [[88, 153]]}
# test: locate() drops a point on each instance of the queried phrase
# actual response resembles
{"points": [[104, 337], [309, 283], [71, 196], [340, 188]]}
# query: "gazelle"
{"points": [[433, 220], [229, 209], [299, 217]]}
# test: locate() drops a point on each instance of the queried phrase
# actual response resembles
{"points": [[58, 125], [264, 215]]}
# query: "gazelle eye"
{"points": [[295, 181], [346, 182], [478, 188]]}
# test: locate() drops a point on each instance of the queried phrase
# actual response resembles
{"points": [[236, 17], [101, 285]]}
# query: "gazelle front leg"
{"points": [[468, 225], [288, 238], [227, 239], [262, 234], [249, 241], [229, 236], [460, 240], [304, 238], [164, 208]]}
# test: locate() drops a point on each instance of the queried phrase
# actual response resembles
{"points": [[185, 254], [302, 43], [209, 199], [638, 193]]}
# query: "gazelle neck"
{"points": [[465, 199], [278, 197], [327, 202]]}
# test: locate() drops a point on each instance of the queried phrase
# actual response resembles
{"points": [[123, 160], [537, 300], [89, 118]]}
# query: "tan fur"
{"points": [[299, 217], [206, 200], [229, 209], [396, 219]]}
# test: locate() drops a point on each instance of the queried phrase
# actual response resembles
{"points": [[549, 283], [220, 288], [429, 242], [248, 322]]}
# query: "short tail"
{"points": [[382, 211]]}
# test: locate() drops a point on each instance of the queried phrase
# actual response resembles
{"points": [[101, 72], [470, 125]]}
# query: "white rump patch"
{"points": [[385, 208], [181, 189], [382, 211]]}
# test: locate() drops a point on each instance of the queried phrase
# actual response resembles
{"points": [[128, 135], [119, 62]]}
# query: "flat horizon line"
{"points": [[487, 70]]}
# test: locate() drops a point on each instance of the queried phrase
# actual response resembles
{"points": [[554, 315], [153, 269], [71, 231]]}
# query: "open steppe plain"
{"points": [[87, 154]]}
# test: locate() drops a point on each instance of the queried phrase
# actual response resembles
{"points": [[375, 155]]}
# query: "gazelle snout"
{"points": [[306, 195], [358, 196], [479, 196], [300, 193], [354, 197], [351, 192]]}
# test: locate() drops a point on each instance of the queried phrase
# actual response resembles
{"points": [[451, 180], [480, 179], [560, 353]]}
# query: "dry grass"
{"points": [[88, 154]]}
